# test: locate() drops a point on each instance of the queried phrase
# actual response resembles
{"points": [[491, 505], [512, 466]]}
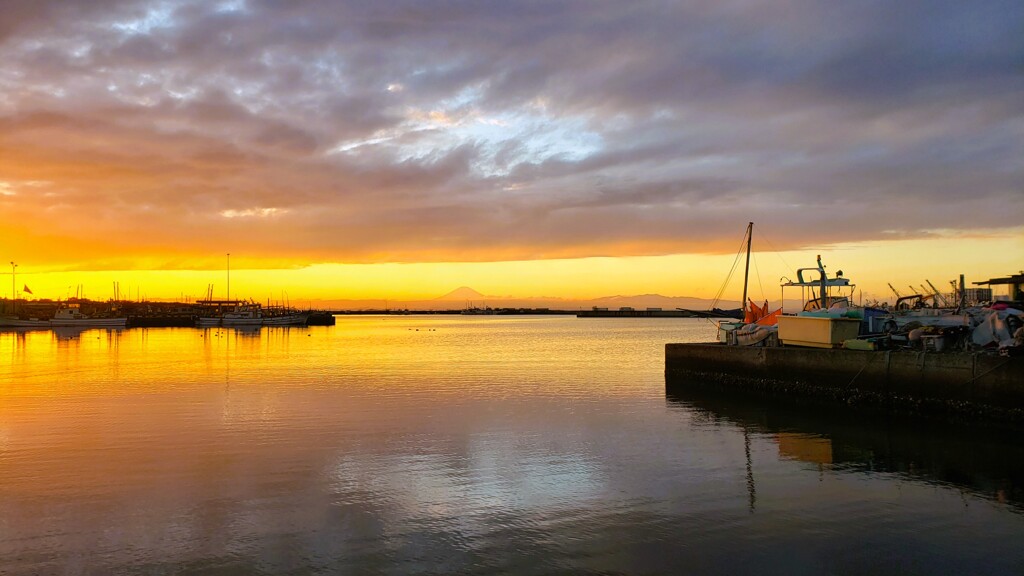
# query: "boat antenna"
{"points": [[746, 271]]}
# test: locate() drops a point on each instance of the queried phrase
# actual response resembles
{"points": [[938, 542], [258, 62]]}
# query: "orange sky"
{"points": [[870, 265]]}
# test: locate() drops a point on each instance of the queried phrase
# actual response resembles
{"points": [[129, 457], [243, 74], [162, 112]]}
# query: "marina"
{"points": [[959, 361], [43, 314]]}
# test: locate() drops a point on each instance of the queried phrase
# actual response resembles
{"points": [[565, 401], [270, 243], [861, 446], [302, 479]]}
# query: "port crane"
{"points": [[942, 299]]}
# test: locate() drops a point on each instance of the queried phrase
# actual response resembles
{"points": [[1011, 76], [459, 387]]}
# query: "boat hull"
{"points": [[19, 323], [89, 323], [299, 319], [228, 322], [64, 323]]}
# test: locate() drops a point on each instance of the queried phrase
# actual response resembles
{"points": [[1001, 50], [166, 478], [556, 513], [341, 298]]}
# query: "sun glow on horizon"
{"points": [[870, 265]]}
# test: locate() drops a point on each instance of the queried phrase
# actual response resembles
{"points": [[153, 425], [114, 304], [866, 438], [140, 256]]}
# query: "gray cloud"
{"points": [[327, 131]]}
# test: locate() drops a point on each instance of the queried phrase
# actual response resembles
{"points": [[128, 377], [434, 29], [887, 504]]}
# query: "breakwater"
{"points": [[143, 314], [634, 314], [658, 313], [955, 384]]}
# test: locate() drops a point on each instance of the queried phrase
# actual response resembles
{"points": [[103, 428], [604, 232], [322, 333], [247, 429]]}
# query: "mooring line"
{"points": [[862, 368], [996, 367]]}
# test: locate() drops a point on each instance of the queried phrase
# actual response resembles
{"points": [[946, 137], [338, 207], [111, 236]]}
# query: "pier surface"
{"points": [[979, 385]]}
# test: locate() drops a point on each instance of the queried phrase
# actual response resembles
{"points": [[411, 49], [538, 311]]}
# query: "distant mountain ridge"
{"points": [[462, 293], [465, 296]]}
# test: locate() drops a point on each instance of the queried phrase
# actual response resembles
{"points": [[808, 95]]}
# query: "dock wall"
{"points": [[899, 380]]}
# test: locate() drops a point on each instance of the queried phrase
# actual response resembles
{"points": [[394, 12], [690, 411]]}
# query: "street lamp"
{"points": [[14, 301]]}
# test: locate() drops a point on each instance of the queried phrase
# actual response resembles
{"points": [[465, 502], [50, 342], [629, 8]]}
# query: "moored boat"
{"points": [[23, 323], [243, 315], [231, 314], [68, 316], [827, 318], [285, 317], [71, 316], [208, 321]]}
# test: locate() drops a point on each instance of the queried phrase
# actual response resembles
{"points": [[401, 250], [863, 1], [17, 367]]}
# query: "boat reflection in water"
{"points": [[237, 331], [986, 462], [246, 331], [67, 332]]}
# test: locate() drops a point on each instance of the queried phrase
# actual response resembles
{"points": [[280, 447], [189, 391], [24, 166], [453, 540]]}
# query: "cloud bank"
{"points": [[321, 131]]}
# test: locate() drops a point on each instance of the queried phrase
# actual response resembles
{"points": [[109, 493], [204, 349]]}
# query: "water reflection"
{"points": [[985, 462], [441, 445], [67, 332]]}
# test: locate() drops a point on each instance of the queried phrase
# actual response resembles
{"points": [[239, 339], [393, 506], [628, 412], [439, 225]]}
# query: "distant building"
{"points": [[977, 295], [1015, 283]]}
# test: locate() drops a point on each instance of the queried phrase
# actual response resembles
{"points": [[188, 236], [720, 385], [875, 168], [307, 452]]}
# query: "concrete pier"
{"points": [[953, 383]]}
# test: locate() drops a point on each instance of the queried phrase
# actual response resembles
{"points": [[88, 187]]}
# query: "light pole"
{"points": [[14, 301]]}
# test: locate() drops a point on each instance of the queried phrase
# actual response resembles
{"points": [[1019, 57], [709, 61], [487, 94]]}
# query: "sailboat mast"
{"points": [[229, 276], [746, 271]]}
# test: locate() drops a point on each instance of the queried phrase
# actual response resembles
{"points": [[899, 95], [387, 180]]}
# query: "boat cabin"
{"points": [[70, 311], [817, 290]]}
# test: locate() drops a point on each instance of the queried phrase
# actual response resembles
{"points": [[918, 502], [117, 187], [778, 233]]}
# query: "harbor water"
{"points": [[466, 445]]}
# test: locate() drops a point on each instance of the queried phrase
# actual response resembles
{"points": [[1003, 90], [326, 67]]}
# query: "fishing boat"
{"points": [[69, 315], [207, 321], [285, 317], [23, 323], [828, 317], [243, 315], [236, 313]]}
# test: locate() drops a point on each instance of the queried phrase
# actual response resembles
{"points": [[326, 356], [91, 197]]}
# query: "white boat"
{"points": [[67, 316], [243, 315], [71, 316], [285, 318], [230, 314], [16, 322], [208, 321], [828, 318]]}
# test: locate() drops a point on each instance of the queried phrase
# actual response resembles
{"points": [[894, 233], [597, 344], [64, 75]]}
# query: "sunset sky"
{"points": [[400, 149]]}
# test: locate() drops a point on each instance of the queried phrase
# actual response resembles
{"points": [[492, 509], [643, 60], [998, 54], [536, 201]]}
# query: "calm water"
{"points": [[465, 445]]}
